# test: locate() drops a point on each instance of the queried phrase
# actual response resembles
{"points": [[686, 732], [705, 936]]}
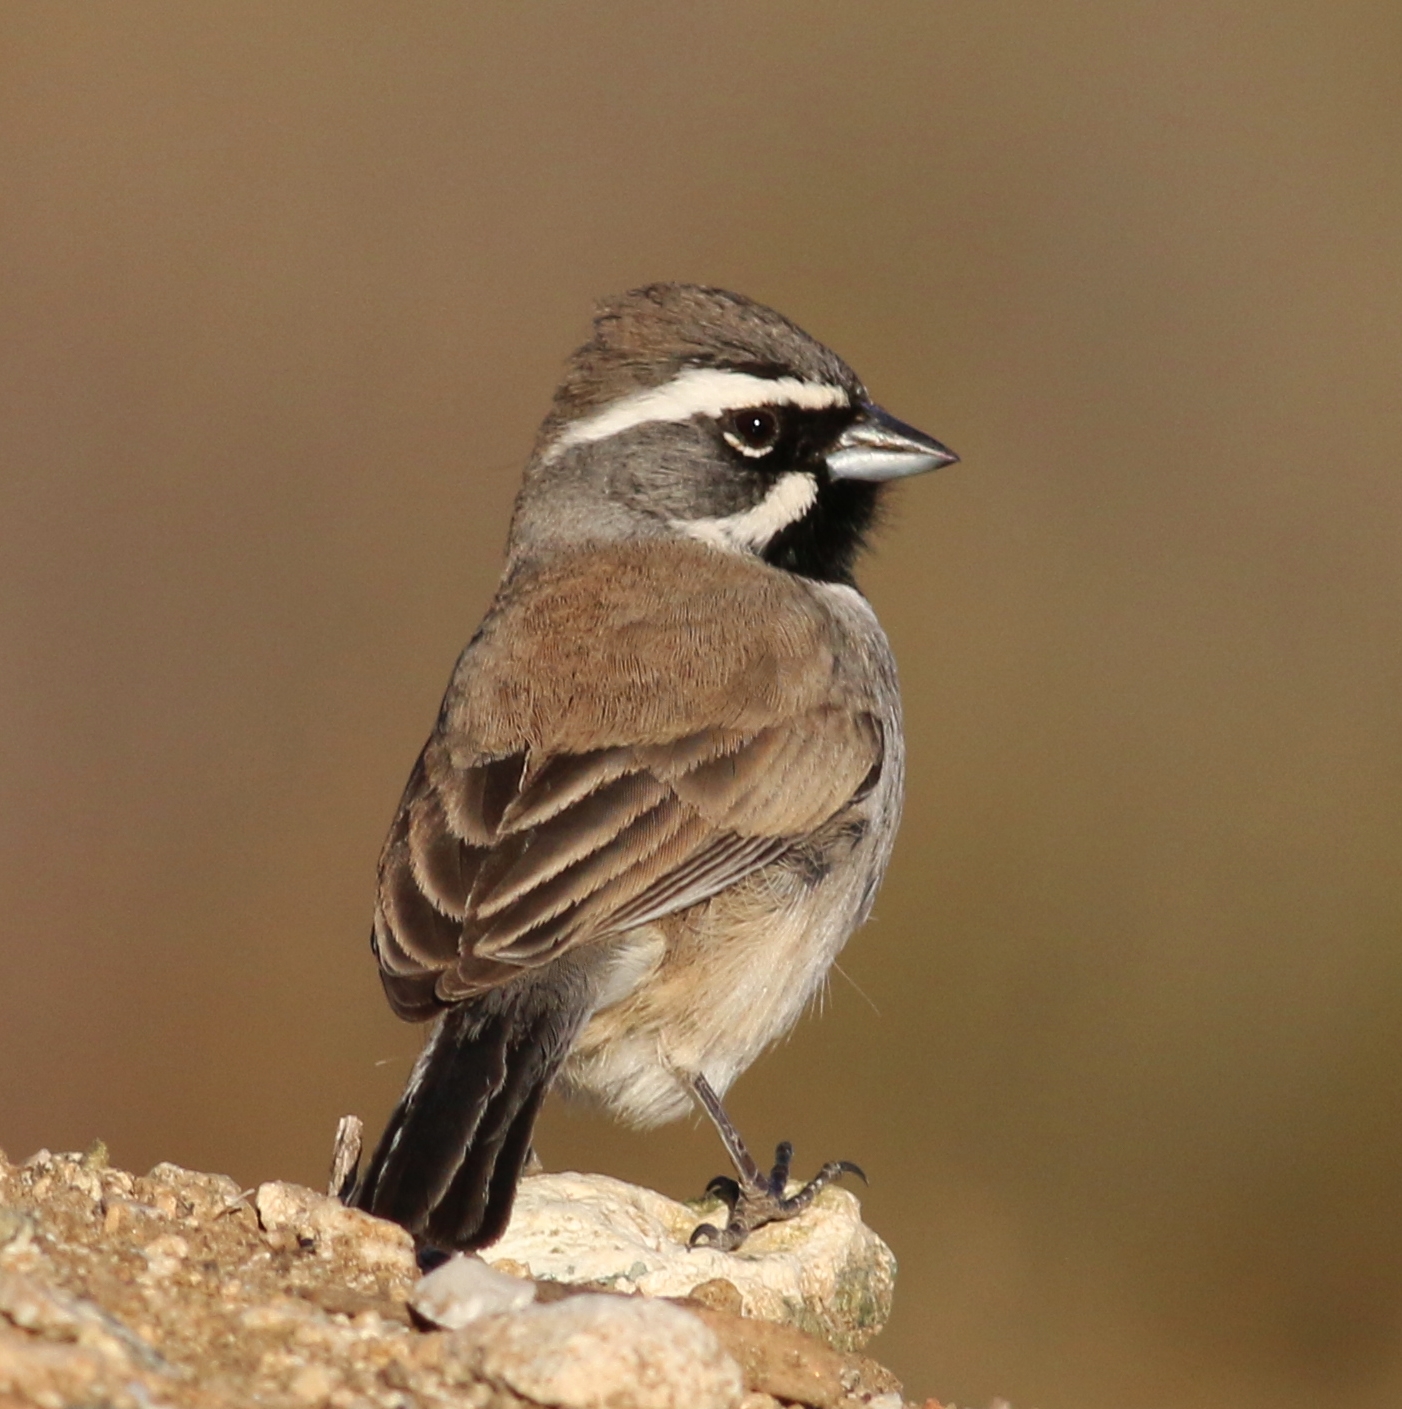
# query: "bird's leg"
{"points": [[755, 1198]]}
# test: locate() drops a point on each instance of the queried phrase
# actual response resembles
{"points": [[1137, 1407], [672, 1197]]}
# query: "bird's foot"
{"points": [[760, 1200]]}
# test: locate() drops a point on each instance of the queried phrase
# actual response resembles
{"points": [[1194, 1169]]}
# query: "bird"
{"points": [[665, 778]]}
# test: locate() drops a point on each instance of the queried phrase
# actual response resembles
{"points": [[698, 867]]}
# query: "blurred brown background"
{"points": [[284, 290]]}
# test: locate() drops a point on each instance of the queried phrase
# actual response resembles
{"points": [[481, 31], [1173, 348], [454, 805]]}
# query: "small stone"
{"points": [[72, 1171], [720, 1294], [315, 1222], [118, 1212], [165, 1255], [32, 1307], [313, 1385], [282, 1205], [605, 1352], [187, 1192], [17, 1228], [279, 1316], [465, 1289]]}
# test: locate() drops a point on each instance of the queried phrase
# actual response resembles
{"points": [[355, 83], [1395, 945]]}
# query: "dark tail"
{"points": [[448, 1163]]}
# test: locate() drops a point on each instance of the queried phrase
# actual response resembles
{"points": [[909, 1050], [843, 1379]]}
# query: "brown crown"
{"points": [[645, 337]]}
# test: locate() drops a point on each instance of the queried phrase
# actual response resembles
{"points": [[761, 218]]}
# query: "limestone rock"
{"points": [[824, 1272], [606, 1352], [465, 1289]]}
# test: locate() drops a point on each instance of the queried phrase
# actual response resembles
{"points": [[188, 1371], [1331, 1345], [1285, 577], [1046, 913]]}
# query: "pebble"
{"points": [[465, 1289], [606, 1352], [323, 1224]]}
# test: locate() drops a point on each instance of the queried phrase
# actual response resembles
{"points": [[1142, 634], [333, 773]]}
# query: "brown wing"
{"points": [[500, 858]]}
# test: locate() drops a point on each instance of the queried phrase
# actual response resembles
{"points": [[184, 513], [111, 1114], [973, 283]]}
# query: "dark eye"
{"points": [[753, 431]]}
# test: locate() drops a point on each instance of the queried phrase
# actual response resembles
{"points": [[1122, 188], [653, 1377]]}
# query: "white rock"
{"points": [[825, 1271], [165, 1255], [606, 1352], [282, 1205], [313, 1385], [17, 1230], [177, 1192], [465, 1289]]}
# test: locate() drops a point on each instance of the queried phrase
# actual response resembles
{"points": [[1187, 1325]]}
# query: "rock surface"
{"points": [[179, 1289], [608, 1352], [825, 1272]]}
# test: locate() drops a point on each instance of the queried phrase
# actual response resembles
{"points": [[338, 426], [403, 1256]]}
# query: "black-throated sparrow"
{"points": [[666, 777]]}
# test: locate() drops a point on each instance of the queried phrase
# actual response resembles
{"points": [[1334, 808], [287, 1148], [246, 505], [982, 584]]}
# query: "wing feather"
{"points": [[727, 860], [622, 866], [561, 780], [444, 865], [524, 861]]}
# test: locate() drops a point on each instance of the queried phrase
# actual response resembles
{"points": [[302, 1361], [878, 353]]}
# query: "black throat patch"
{"points": [[825, 543]]}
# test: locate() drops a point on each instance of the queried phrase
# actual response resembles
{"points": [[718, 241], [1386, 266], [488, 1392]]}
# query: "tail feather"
{"points": [[481, 1191], [506, 1173], [447, 1165]]}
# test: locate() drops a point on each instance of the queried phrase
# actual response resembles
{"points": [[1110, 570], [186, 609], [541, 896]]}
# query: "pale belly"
{"points": [[705, 992]]}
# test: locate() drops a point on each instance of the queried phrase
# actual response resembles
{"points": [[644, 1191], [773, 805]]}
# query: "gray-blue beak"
{"points": [[876, 446]]}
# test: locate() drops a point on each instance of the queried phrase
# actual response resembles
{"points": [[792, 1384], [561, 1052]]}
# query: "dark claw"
{"points": [[704, 1235], [725, 1189], [847, 1167]]}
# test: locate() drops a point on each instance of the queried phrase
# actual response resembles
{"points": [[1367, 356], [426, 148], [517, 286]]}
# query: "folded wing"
{"points": [[500, 859]]}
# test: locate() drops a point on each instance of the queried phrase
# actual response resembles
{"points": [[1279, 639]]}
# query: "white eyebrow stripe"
{"points": [[699, 391], [790, 498]]}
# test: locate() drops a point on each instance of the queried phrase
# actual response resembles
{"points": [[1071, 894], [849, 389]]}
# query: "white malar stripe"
{"points": [[699, 391], [792, 496]]}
